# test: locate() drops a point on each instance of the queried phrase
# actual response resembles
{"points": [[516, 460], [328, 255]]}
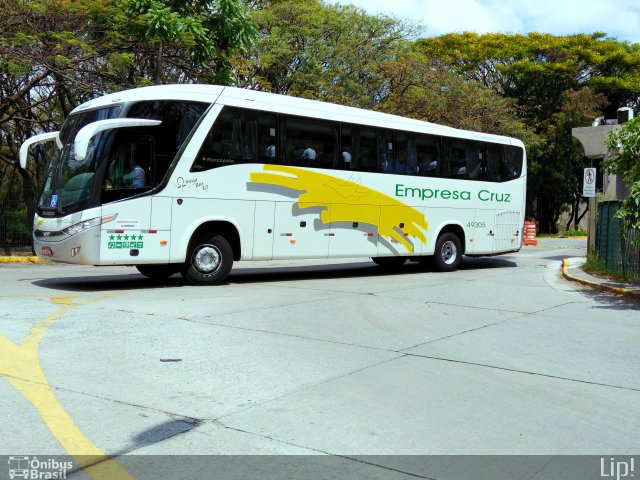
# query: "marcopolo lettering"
{"points": [[431, 193]]}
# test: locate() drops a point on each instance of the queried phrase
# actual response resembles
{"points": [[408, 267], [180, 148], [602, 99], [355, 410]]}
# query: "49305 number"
{"points": [[476, 224]]}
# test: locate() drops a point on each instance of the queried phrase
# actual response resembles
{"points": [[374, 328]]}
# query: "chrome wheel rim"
{"points": [[207, 259], [449, 252]]}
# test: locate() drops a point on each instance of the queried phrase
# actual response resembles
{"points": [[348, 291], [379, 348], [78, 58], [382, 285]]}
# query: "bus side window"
{"points": [[130, 166], [512, 162], [494, 159], [367, 150], [245, 134], [475, 161], [385, 152], [345, 160], [427, 156], [266, 135], [220, 147], [178, 119], [456, 159], [310, 142], [401, 153]]}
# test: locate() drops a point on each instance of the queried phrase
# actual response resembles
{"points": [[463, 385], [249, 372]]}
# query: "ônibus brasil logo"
{"points": [[37, 469]]}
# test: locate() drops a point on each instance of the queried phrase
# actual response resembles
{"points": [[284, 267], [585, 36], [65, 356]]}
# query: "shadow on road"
{"points": [[136, 281]]}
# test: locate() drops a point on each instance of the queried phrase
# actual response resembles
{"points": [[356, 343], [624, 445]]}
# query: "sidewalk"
{"points": [[572, 270]]}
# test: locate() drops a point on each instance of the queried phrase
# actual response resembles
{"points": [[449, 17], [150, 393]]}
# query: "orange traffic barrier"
{"points": [[530, 234]]}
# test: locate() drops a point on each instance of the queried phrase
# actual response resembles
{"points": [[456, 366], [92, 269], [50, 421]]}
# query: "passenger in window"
{"points": [[387, 164], [346, 157], [271, 153], [309, 155], [137, 176]]}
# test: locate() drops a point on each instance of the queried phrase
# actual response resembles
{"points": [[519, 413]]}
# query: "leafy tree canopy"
{"points": [[626, 142], [557, 82]]}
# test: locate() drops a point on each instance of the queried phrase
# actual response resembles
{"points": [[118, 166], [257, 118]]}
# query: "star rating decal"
{"points": [[126, 241]]}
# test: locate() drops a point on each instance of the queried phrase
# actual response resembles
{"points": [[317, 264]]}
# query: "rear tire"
{"points": [[209, 260], [389, 262], [158, 272], [448, 253]]}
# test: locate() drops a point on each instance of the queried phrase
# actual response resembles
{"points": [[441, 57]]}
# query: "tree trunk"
{"points": [[28, 197], [158, 73]]}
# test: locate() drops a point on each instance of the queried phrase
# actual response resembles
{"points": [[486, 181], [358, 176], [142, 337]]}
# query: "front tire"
{"points": [[209, 260], [158, 272], [448, 253]]}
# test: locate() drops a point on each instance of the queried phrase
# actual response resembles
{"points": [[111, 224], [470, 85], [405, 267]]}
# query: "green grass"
{"points": [[568, 233], [597, 267], [594, 265]]}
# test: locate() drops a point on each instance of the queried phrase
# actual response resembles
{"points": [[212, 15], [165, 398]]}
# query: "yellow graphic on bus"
{"points": [[346, 201]]}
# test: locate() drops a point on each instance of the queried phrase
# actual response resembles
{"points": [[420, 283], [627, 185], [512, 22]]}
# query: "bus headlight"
{"points": [[87, 224]]}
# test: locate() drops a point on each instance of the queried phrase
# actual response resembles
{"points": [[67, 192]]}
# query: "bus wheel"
{"points": [[389, 262], [448, 252], [209, 260], [158, 272]]}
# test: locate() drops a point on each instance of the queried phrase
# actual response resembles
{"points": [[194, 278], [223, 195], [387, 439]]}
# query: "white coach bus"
{"points": [[190, 178]]}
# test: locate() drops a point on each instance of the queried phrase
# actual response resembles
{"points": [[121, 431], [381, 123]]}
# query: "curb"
{"points": [[596, 284], [32, 259]]}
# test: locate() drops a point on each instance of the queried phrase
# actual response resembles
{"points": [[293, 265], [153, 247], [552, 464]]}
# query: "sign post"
{"points": [[589, 183]]}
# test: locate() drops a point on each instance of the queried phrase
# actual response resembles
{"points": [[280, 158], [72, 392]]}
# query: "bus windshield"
{"points": [[120, 163], [69, 182]]}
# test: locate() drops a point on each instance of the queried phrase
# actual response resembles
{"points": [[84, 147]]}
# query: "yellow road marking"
{"points": [[21, 368]]}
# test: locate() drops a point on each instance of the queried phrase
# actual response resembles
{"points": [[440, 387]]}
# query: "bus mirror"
{"points": [[43, 137], [86, 133]]}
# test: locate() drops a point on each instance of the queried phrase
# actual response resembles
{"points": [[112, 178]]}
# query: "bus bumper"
{"points": [[82, 248]]}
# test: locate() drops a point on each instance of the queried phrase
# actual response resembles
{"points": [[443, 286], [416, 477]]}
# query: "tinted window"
{"points": [[475, 161], [493, 162], [512, 162], [367, 151], [347, 155], [75, 122], [243, 135], [427, 155], [455, 165], [401, 145], [464, 159], [310, 143], [178, 119], [265, 128], [239, 136], [386, 152], [221, 147]]}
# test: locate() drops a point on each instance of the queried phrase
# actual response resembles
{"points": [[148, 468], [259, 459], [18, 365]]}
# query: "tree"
{"points": [[46, 56], [310, 49], [175, 41], [626, 142], [341, 54], [55, 54], [425, 89], [552, 79]]}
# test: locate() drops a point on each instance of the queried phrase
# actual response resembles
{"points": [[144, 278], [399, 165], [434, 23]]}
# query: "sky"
{"points": [[618, 18]]}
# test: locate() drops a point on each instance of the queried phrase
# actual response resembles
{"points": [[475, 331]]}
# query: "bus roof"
{"points": [[258, 100]]}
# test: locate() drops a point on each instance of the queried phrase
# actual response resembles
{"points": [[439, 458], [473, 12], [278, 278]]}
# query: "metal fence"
{"points": [[15, 228], [618, 251]]}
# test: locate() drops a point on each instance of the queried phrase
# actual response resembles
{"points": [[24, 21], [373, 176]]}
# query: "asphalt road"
{"points": [[502, 357]]}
